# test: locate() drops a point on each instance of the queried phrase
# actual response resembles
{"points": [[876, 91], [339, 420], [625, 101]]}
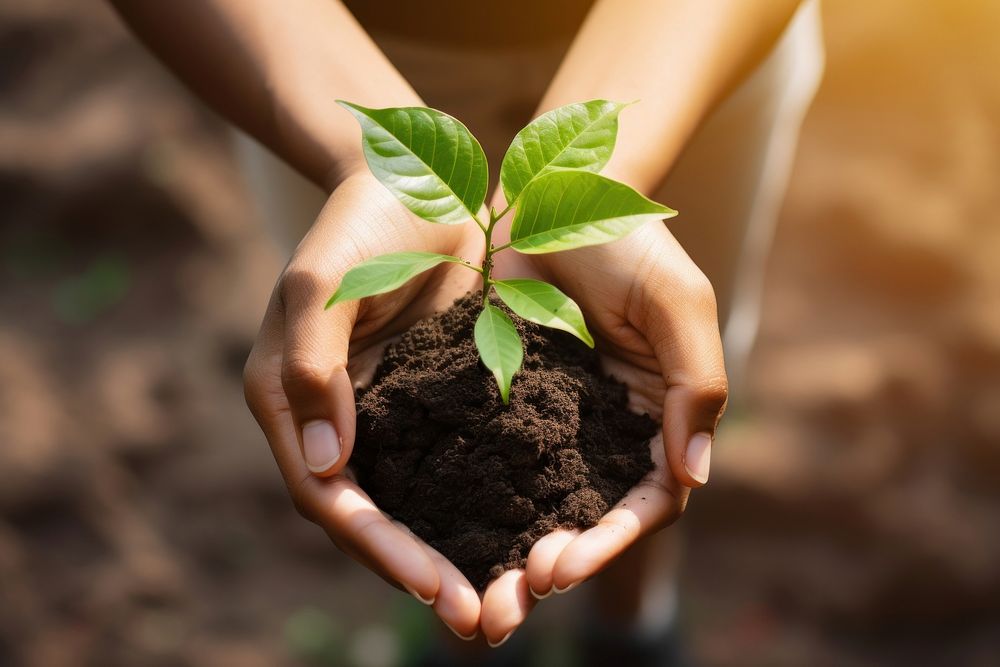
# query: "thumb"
{"points": [[688, 347], [314, 373], [691, 412]]}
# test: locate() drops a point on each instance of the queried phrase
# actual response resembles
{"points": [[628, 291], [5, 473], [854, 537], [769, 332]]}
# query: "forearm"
{"points": [[274, 68], [678, 58]]}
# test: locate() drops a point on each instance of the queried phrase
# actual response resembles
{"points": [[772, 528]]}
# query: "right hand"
{"points": [[299, 379], [654, 318]]}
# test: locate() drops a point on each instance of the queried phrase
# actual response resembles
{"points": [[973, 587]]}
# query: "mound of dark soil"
{"points": [[481, 481]]}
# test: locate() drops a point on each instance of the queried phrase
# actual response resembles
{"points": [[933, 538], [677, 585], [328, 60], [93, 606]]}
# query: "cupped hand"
{"points": [[654, 317], [300, 377]]}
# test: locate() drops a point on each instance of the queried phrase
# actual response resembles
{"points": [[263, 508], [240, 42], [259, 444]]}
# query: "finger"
{"points": [[542, 558], [691, 413], [506, 604], [352, 520], [336, 503], [688, 347], [266, 398], [314, 371], [618, 530], [654, 503], [457, 603], [349, 550]]}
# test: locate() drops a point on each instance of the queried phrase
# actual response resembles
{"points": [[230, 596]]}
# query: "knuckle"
{"points": [[701, 292], [686, 288], [713, 393], [261, 386], [255, 390], [298, 284], [251, 384], [302, 374]]}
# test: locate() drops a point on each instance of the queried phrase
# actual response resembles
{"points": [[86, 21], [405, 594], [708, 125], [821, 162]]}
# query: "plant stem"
{"points": [[488, 258], [504, 212], [490, 250]]}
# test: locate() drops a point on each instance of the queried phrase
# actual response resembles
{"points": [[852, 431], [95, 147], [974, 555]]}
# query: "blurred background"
{"points": [[854, 513]]}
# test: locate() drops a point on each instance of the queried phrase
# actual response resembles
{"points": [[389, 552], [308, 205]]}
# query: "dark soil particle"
{"points": [[481, 481]]}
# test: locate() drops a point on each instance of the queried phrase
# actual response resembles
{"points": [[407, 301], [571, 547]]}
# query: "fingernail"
{"points": [[505, 638], [419, 597], [540, 596], [698, 456], [466, 638], [320, 445], [560, 591]]}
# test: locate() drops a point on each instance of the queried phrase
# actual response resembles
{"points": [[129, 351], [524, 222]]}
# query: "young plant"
{"points": [[437, 169]]}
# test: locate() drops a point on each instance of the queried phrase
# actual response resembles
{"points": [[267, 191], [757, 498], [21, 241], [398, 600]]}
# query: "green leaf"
{"points": [[499, 347], [568, 209], [428, 159], [576, 136], [385, 273], [544, 304]]}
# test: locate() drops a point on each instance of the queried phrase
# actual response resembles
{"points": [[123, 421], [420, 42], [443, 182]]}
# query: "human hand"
{"points": [[300, 377], [653, 315]]}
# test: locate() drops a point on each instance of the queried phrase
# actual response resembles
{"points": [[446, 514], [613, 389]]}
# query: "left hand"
{"points": [[300, 378], [654, 318]]}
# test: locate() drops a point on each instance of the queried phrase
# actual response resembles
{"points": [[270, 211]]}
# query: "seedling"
{"points": [[437, 169]]}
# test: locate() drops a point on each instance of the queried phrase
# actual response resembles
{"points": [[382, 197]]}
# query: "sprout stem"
{"points": [[490, 250], [506, 210], [488, 258]]}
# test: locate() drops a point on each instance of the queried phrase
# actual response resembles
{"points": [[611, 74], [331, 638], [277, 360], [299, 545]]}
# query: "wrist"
{"points": [[320, 145]]}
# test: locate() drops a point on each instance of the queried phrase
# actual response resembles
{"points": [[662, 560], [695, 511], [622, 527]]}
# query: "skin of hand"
{"points": [[653, 316], [300, 377]]}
